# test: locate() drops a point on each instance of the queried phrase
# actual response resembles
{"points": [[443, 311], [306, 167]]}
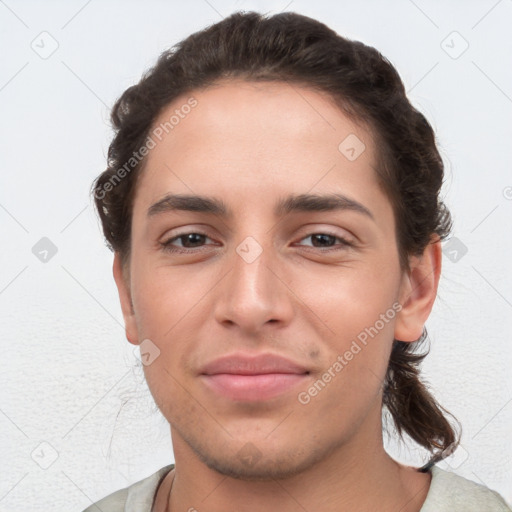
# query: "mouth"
{"points": [[253, 378]]}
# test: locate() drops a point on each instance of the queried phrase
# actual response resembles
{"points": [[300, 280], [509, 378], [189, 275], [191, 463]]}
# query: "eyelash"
{"points": [[168, 247]]}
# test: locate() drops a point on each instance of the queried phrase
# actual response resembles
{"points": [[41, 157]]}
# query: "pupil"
{"points": [[193, 238], [324, 238]]}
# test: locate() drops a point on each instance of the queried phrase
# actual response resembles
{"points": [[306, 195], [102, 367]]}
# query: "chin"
{"points": [[249, 463], [261, 471]]}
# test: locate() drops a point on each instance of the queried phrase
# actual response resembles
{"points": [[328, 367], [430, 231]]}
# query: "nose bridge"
{"points": [[252, 294]]}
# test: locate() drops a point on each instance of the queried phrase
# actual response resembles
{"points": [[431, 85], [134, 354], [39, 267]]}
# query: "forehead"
{"points": [[239, 134], [257, 111]]}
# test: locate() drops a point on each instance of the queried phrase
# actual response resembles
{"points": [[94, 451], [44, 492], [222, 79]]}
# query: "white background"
{"points": [[69, 378]]}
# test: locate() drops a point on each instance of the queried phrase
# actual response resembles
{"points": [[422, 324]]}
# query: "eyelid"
{"points": [[166, 240], [344, 242], [186, 230], [316, 229]]}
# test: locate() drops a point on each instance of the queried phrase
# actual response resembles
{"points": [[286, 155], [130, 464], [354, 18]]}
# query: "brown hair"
{"points": [[292, 48]]}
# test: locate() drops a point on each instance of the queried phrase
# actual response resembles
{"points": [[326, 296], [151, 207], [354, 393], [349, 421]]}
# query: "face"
{"points": [[272, 304]]}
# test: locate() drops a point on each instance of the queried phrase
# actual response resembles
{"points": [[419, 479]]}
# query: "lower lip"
{"points": [[253, 387]]}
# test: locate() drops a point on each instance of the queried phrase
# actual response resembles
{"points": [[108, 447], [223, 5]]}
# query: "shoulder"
{"points": [[138, 497], [451, 492]]}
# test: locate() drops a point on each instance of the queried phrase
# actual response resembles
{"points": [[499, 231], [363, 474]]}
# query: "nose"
{"points": [[254, 293]]}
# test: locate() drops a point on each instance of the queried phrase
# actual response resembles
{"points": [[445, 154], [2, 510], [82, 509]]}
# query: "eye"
{"points": [[188, 241], [326, 241]]}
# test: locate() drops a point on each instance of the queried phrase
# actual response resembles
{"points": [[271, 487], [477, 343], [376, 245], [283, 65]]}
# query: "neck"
{"points": [[359, 475]]}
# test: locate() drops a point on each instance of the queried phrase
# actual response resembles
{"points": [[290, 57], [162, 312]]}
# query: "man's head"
{"points": [[308, 187]]}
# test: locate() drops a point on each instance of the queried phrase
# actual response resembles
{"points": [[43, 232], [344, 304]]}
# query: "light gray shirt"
{"points": [[448, 492]]}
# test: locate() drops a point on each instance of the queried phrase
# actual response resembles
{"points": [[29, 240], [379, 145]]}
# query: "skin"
{"points": [[251, 145]]}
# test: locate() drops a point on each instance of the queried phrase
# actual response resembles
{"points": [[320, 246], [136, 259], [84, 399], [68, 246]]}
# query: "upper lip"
{"points": [[242, 364]]}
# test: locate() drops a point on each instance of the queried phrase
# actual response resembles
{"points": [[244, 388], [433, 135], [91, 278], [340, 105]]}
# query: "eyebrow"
{"points": [[290, 204]]}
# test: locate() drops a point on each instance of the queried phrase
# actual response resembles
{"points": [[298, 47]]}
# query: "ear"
{"points": [[123, 288], [418, 292]]}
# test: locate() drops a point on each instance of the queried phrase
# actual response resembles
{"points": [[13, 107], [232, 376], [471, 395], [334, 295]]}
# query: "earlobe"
{"points": [[123, 288], [418, 292]]}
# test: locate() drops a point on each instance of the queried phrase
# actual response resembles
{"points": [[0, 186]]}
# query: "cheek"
{"points": [[359, 306], [170, 311], [352, 298], [361, 321], [164, 297], [168, 307]]}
